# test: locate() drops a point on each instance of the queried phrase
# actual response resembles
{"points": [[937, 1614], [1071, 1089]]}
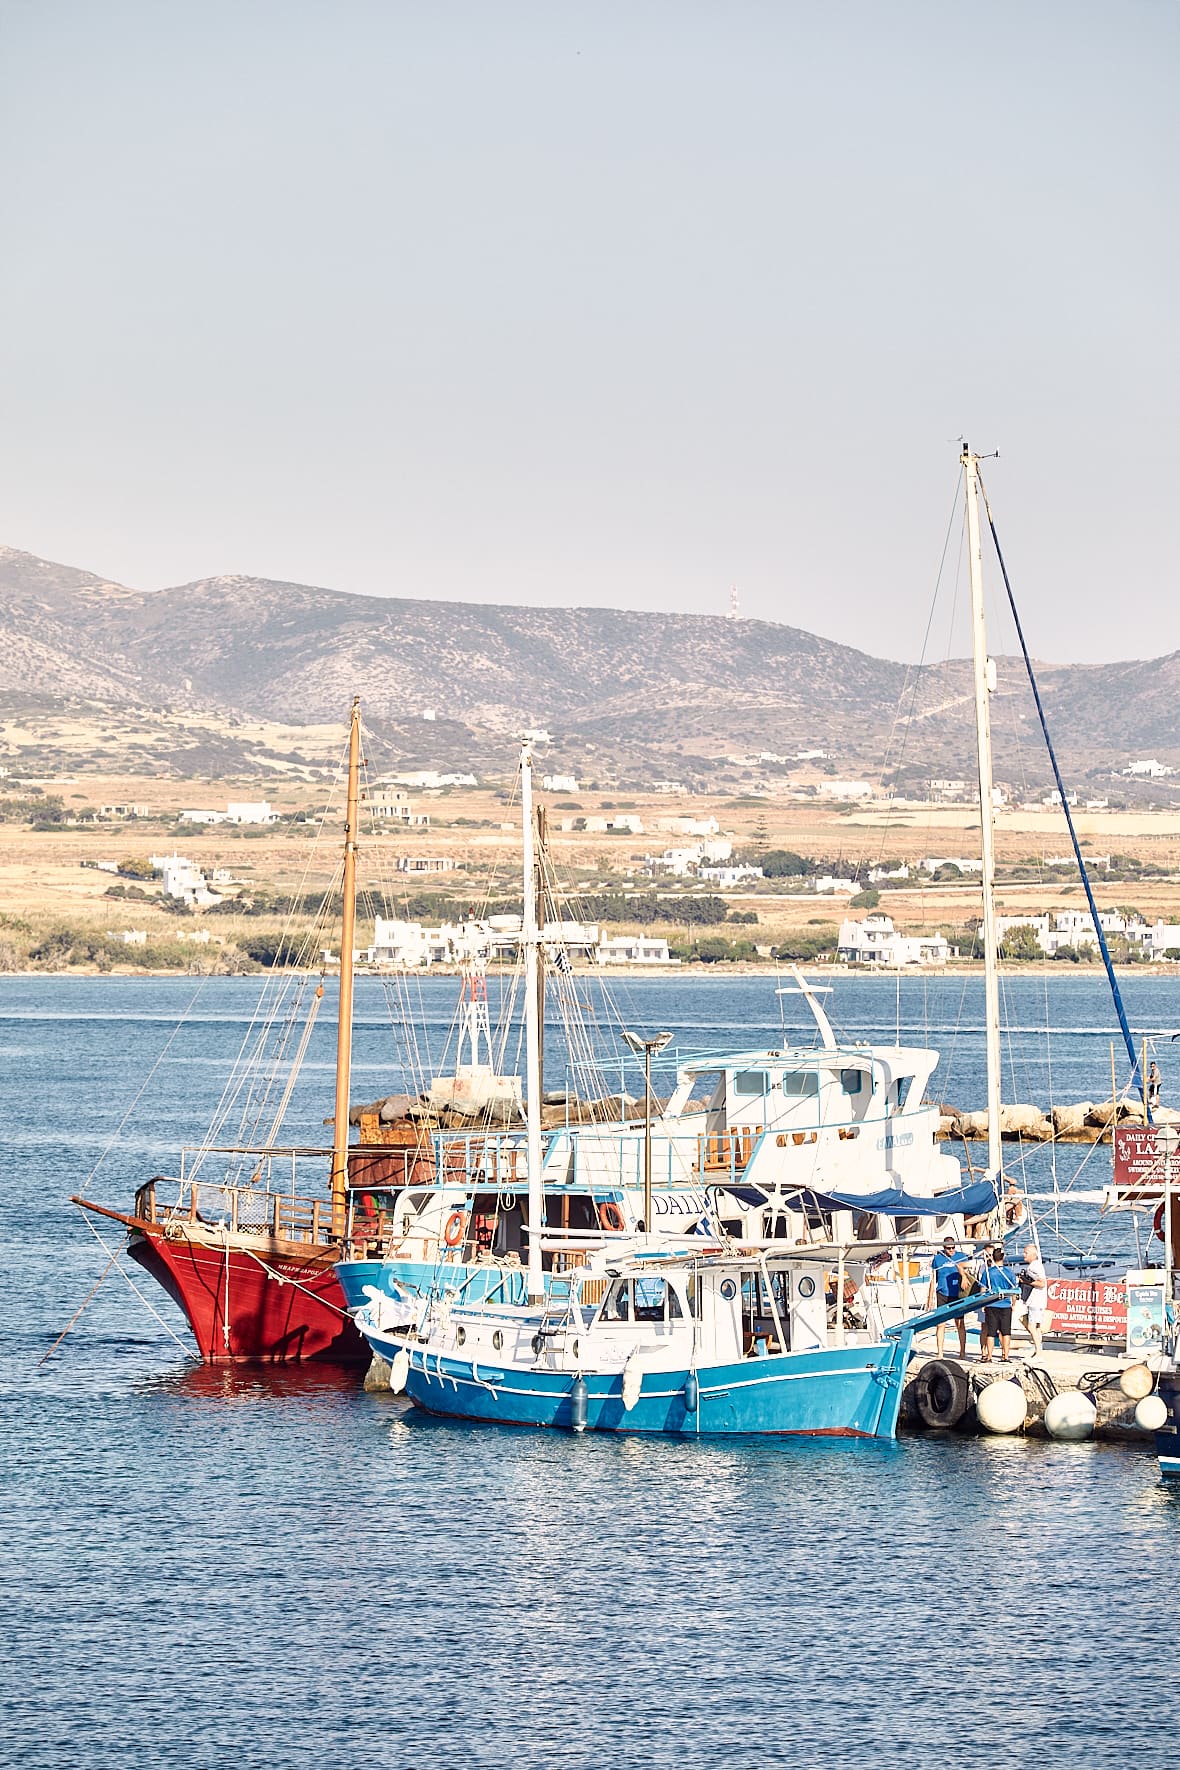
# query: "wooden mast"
{"points": [[347, 944]]}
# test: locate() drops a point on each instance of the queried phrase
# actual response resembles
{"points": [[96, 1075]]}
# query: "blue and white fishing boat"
{"points": [[716, 1345]]}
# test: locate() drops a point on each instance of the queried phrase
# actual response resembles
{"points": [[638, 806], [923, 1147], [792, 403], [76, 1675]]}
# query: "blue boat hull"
{"points": [[851, 1392], [1167, 1446]]}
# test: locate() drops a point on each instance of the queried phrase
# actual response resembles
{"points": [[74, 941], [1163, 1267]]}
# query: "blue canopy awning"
{"points": [[975, 1200]]}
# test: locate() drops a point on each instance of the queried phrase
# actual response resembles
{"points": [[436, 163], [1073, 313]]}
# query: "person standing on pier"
{"points": [[1154, 1082], [946, 1286], [1034, 1288], [997, 1315]]}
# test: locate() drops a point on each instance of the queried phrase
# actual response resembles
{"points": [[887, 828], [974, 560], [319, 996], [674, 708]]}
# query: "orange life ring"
{"points": [[1157, 1222], [453, 1233], [610, 1216]]}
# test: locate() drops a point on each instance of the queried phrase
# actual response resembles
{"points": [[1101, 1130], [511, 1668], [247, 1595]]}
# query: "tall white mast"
{"points": [[532, 1030], [985, 683]]}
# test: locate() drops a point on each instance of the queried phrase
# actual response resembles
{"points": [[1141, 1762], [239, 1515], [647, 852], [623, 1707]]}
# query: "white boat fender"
{"points": [[942, 1394], [1070, 1415], [579, 1404], [1002, 1407], [399, 1370], [632, 1383], [1151, 1413], [692, 1393]]}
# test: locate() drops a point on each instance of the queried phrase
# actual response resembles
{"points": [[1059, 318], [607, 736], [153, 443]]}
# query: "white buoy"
{"points": [[399, 1370], [1002, 1407], [1136, 1382], [1151, 1413], [1070, 1415]]}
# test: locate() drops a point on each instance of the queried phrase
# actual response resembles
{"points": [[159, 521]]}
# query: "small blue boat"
{"points": [[681, 1345]]}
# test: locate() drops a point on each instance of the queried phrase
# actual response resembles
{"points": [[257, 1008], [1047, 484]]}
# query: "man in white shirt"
{"points": [[1037, 1300]]}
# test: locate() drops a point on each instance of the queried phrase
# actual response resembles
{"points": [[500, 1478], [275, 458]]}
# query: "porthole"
{"points": [[728, 1289], [497, 1339], [460, 1336], [807, 1287], [536, 1342]]}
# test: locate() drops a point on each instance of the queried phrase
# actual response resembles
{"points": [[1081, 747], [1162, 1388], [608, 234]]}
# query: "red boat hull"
{"points": [[257, 1304]]}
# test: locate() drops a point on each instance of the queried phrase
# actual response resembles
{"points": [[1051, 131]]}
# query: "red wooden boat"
{"points": [[251, 1266]]}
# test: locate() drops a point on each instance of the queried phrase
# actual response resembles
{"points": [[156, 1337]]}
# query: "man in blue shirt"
{"points": [[946, 1286], [997, 1316]]}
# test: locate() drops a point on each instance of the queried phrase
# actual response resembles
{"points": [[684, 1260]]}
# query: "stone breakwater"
{"points": [[1087, 1121]]}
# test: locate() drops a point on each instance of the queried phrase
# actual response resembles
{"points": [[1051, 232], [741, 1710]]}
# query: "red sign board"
{"points": [[1140, 1162], [1093, 1308]]}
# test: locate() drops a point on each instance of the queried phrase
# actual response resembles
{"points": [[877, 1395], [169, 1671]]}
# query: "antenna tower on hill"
{"points": [[734, 610]]}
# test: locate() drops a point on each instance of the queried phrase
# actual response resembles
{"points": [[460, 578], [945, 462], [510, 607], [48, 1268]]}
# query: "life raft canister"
{"points": [[453, 1233], [942, 1393]]}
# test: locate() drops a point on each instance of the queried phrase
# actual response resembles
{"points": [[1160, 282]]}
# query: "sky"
{"points": [[618, 303]]}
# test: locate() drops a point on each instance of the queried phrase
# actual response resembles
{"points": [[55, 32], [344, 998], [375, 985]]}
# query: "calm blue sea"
{"points": [[237, 1568]]}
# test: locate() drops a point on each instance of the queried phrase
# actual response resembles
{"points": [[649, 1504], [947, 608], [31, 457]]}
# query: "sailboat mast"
{"points": [[347, 944], [985, 683], [532, 1028]]}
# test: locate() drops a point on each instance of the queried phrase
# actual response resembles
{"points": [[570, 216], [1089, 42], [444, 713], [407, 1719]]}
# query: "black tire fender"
{"points": [[942, 1393]]}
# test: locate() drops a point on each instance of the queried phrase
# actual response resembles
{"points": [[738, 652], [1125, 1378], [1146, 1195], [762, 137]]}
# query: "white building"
{"points": [[1150, 768], [429, 778], [391, 806], [688, 826], [725, 878], [828, 886], [559, 783], [250, 811], [845, 789], [424, 863], [633, 949], [878, 874], [1074, 929], [875, 941], [184, 880], [930, 863]]}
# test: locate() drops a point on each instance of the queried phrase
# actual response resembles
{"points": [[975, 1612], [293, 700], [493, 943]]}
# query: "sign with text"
{"points": [[1145, 1156], [1092, 1308], [1145, 1318]]}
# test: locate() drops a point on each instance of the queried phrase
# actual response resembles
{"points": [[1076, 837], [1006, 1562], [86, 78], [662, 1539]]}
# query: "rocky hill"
{"points": [[623, 692]]}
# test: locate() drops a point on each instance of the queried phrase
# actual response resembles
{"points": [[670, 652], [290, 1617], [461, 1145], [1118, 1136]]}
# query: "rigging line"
{"points": [[1073, 835], [187, 1350], [122, 1124], [91, 1293], [906, 719]]}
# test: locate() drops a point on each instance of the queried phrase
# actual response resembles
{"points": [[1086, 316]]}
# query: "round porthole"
{"points": [[807, 1287], [577, 1347], [728, 1289], [497, 1339], [536, 1342], [460, 1336]]}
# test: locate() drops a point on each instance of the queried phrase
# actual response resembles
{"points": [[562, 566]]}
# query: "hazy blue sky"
{"points": [[598, 303]]}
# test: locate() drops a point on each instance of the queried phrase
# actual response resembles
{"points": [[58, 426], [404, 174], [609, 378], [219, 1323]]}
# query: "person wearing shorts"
{"points": [[1037, 1300], [946, 1286], [997, 1315]]}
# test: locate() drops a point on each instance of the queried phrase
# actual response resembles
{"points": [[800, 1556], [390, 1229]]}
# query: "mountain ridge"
{"points": [[634, 688]]}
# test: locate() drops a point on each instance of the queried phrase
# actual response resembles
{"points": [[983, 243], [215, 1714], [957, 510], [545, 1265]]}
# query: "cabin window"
{"points": [[616, 1305], [852, 1080], [801, 1086], [651, 1299], [899, 1092], [751, 1082]]}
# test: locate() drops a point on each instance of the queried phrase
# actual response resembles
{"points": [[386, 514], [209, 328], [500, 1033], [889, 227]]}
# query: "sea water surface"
{"points": [[214, 1568]]}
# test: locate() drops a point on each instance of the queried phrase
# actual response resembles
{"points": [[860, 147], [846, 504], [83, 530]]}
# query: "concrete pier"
{"points": [[1059, 1368]]}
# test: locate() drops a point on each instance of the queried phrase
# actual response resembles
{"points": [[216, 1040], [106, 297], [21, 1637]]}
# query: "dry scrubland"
{"points": [[43, 885]]}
